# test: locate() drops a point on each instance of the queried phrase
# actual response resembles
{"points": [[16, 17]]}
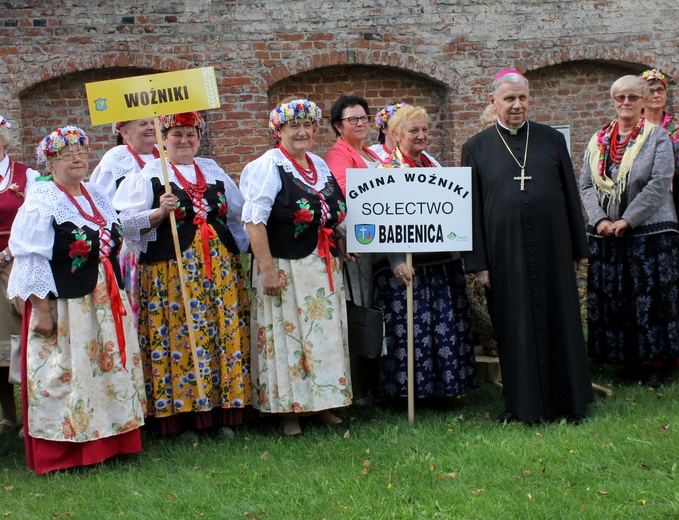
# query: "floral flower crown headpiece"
{"points": [[115, 127], [61, 138], [655, 74], [386, 113], [184, 119], [4, 122], [296, 109]]}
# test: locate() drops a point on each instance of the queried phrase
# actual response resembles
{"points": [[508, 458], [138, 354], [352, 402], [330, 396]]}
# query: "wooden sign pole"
{"points": [[411, 343]]}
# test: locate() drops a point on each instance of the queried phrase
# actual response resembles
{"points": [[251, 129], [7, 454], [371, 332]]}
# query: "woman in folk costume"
{"points": [[654, 111], [138, 147], [82, 383], [205, 201], [15, 178], [633, 273], [386, 144], [299, 324], [445, 364]]}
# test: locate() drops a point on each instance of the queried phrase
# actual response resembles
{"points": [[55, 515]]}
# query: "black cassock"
{"points": [[528, 241]]}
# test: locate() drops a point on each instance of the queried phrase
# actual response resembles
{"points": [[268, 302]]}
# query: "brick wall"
{"points": [[440, 54]]}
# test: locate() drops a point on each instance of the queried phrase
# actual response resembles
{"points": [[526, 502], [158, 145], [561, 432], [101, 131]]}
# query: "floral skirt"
{"points": [[78, 389], [220, 317], [445, 363], [302, 359], [633, 299]]}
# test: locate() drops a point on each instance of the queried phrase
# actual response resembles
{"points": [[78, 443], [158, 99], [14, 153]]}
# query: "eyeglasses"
{"points": [[654, 91], [82, 154], [354, 120], [633, 98]]}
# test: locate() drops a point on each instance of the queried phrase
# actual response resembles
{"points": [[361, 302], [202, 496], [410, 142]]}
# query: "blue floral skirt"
{"points": [[445, 363], [632, 299]]}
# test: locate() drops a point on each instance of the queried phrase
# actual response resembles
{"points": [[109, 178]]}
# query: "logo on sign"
{"points": [[365, 233], [100, 104]]}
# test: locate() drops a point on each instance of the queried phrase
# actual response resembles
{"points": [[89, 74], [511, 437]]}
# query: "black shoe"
{"points": [[577, 419], [506, 417]]}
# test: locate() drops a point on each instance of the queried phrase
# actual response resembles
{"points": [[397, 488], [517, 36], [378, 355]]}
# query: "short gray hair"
{"points": [[511, 77], [630, 84]]}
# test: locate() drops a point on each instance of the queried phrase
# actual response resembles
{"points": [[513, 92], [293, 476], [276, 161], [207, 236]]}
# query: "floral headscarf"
{"points": [[655, 74], [386, 113], [61, 138], [296, 109], [184, 119]]}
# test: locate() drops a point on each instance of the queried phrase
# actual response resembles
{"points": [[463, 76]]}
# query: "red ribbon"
{"points": [[206, 233], [117, 308], [325, 242]]}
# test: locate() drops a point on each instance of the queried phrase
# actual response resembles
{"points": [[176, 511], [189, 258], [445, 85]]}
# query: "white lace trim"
{"points": [[262, 176], [50, 201], [133, 222], [256, 213], [31, 274], [119, 162], [135, 193], [321, 168], [211, 171]]}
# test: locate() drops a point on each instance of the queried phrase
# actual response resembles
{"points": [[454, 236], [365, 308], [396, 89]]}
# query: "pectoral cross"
{"points": [[523, 178]]}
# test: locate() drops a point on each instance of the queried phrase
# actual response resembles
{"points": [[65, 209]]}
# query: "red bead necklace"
{"points": [[310, 175], [195, 190], [139, 160], [425, 162], [96, 218], [618, 147]]}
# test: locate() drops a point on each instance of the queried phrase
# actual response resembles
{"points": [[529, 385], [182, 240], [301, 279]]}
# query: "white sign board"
{"points": [[409, 210]]}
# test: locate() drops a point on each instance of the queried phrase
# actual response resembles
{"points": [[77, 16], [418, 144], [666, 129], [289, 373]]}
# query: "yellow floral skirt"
{"points": [[302, 359], [220, 316]]}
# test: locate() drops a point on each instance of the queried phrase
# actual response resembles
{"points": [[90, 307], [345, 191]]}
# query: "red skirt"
{"points": [[43, 456]]}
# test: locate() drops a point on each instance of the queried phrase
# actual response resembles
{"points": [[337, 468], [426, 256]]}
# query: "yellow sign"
{"points": [[141, 97]]}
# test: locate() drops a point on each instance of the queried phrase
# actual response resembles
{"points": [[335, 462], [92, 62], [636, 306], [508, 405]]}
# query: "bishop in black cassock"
{"points": [[528, 232]]}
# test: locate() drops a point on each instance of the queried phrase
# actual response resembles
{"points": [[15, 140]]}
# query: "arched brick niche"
{"points": [[380, 86], [60, 101], [576, 94]]}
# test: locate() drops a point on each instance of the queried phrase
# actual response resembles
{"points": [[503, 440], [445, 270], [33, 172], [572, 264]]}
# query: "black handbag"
{"points": [[366, 324]]}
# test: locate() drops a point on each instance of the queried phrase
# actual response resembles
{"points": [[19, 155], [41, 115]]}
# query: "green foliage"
{"points": [[453, 462]]}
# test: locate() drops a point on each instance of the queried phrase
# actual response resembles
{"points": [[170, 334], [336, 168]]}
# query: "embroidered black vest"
{"points": [[163, 247], [293, 224], [75, 258]]}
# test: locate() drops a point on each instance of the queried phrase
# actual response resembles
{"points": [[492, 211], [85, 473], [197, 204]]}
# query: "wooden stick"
{"points": [[411, 343], [606, 391], [180, 266]]}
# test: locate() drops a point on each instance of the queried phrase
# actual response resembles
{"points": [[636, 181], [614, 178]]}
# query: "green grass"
{"points": [[454, 462]]}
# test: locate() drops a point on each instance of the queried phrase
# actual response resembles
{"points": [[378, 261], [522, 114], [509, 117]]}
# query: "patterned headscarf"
{"points": [[4, 122]]}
